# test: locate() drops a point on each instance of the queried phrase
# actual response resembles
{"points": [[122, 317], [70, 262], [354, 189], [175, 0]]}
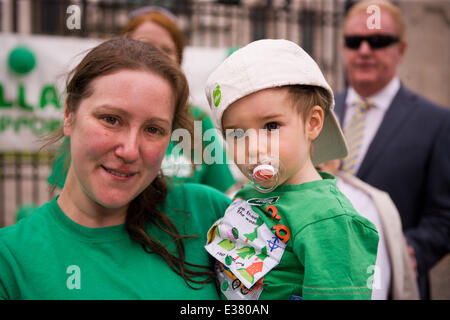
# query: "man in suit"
{"points": [[399, 142]]}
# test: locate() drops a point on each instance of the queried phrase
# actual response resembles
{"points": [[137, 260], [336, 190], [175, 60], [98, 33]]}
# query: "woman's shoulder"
{"points": [[28, 228]]}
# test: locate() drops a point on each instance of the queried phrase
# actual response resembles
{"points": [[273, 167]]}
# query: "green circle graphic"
{"points": [[21, 60]]}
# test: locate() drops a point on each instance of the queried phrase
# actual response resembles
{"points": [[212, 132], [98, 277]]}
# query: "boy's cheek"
{"points": [[244, 170]]}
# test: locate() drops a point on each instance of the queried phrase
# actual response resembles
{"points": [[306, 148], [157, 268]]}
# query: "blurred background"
{"points": [[41, 40]]}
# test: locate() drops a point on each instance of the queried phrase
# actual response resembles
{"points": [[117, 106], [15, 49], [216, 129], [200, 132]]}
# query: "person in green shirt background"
{"points": [[117, 230]]}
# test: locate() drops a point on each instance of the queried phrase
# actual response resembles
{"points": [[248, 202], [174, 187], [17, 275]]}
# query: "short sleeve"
{"points": [[338, 255]]}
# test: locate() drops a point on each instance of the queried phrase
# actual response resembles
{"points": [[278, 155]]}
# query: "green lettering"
{"points": [[18, 123], [49, 95], [21, 100], [54, 124], [39, 126], [31, 124], [5, 122], [3, 102]]}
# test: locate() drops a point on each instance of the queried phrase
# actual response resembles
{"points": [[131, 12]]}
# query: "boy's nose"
{"points": [[257, 147]]}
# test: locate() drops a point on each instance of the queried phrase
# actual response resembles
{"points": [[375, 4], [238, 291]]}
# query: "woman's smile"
{"points": [[120, 174]]}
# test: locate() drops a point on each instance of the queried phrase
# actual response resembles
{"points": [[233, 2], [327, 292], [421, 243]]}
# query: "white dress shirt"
{"points": [[365, 206], [374, 116]]}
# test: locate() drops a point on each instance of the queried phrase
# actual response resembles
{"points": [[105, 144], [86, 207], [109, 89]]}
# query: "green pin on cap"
{"points": [[21, 60], [217, 95]]}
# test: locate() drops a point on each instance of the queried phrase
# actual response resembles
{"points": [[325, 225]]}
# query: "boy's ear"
{"points": [[67, 123], [315, 122]]}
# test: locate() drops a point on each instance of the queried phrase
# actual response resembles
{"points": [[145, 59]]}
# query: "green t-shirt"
{"points": [[298, 242], [48, 256], [177, 169]]}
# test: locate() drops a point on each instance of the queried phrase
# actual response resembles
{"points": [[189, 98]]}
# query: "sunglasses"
{"points": [[376, 41]]}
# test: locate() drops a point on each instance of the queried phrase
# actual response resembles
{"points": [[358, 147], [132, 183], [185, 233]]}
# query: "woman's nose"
{"points": [[128, 147]]}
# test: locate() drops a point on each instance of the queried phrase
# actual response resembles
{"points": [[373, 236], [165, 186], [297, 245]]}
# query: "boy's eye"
{"points": [[235, 133], [272, 126]]}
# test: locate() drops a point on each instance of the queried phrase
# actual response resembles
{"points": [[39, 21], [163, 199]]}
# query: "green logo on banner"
{"points": [[21, 60]]}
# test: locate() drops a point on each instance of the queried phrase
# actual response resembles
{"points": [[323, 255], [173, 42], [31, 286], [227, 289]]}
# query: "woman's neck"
{"points": [[80, 208]]}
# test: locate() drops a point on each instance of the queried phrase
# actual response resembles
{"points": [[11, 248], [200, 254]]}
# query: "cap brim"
{"points": [[330, 144]]}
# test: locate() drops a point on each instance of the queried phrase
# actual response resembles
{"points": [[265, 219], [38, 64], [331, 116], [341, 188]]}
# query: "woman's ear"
{"points": [[315, 122], [67, 124]]}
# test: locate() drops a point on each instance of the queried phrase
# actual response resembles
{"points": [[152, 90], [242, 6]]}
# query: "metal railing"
{"points": [[23, 182]]}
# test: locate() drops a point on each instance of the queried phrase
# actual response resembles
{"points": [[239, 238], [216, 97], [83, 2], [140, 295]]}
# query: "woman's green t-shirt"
{"points": [[48, 256]]}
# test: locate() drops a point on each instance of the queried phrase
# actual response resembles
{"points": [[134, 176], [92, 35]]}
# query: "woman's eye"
{"points": [[110, 120], [272, 126], [155, 130]]}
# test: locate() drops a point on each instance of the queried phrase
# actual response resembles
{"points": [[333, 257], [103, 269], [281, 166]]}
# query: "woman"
{"points": [[158, 27], [116, 231]]}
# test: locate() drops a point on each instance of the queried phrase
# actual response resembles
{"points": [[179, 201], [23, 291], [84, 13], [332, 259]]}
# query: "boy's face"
{"points": [[272, 126]]}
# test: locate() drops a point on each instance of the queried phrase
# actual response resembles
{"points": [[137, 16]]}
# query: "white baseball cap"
{"points": [[272, 63]]}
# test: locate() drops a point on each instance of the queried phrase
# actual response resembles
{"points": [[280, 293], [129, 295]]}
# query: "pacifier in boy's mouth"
{"points": [[265, 176]]}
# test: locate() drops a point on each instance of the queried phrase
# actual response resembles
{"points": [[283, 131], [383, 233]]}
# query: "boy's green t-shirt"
{"points": [[176, 168], [298, 242], [48, 256]]}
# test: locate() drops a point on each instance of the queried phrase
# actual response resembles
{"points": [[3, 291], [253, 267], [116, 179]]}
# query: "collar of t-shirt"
{"points": [[83, 233]]}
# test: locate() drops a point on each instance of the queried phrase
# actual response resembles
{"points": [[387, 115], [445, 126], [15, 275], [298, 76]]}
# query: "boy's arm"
{"points": [[339, 256]]}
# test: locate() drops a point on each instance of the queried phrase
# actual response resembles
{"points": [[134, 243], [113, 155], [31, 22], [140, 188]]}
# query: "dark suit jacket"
{"points": [[409, 158]]}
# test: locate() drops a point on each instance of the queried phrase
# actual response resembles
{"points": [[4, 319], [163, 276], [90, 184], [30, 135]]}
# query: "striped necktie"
{"points": [[354, 133]]}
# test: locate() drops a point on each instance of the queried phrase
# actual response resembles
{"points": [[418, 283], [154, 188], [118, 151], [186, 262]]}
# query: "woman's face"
{"points": [[156, 35], [119, 136]]}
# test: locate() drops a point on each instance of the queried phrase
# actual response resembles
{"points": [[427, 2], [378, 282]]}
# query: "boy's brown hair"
{"points": [[304, 97]]}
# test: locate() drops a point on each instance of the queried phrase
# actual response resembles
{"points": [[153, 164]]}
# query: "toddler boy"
{"points": [[291, 234]]}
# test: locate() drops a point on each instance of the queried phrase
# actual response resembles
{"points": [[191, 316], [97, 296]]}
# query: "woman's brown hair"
{"points": [[126, 54]]}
